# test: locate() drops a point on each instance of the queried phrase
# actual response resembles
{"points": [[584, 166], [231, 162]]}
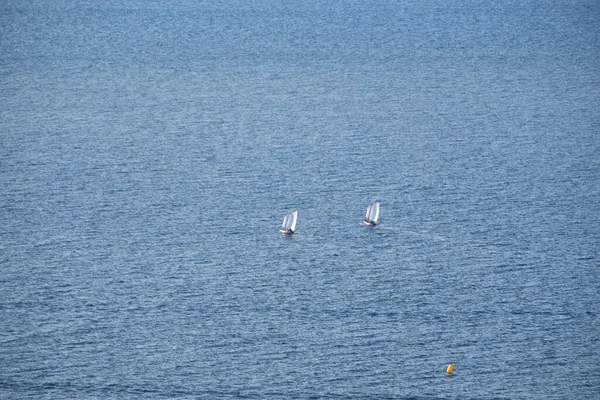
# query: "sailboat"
{"points": [[372, 214], [289, 223]]}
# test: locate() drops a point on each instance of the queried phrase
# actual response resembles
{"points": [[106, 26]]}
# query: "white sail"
{"points": [[285, 222], [368, 213], [289, 222], [372, 214], [375, 212], [294, 220]]}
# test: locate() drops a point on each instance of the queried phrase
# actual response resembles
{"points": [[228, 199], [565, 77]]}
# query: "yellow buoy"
{"points": [[450, 369]]}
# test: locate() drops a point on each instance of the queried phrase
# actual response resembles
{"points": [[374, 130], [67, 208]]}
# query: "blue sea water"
{"points": [[150, 149]]}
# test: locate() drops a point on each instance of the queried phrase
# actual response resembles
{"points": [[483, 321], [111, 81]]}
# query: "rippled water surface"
{"points": [[149, 151]]}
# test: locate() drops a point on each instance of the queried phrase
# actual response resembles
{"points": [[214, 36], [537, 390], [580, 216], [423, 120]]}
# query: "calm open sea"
{"points": [[150, 149]]}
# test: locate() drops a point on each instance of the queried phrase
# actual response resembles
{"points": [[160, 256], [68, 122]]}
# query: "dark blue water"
{"points": [[150, 149]]}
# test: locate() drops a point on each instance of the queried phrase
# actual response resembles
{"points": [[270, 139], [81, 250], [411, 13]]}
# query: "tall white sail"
{"points": [[294, 220], [372, 214], [284, 224], [375, 212], [289, 222]]}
